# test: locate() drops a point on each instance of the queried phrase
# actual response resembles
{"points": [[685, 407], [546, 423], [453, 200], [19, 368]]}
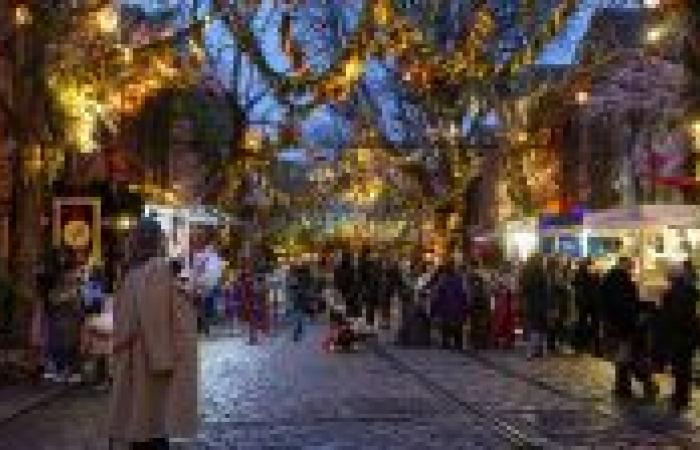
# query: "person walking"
{"points": [[534, 294], [557, 304], [503, 323], [621, 299], [345, 279], [231, 298], [449, 306], [414, 329], [386, 288], [300, 291], [154, 395], [64, 326], [680, 328], [586, 287], [94, 299], [369, 268], [480, 314]]}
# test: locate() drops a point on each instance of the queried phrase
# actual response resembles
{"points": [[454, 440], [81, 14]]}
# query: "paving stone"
{"points": [[283, 395]]}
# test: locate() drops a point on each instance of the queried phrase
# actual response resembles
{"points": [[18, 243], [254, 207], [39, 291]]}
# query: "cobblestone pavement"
{"points": [[293, 396], [74, 422], [284, 395], [565, 402]]}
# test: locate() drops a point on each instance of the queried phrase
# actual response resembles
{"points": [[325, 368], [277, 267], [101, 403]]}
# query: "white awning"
{"points": [[687, 216]]}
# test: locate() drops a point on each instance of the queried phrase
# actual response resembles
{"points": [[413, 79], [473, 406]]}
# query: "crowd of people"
{"points": [[603, 314], [550, 303]]}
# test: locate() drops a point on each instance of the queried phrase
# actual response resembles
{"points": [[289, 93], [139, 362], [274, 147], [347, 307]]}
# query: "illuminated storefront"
{"points": [[655, 236]]}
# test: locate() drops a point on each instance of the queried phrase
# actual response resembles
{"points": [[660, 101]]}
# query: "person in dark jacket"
{"points": [[389, 287], [586, 285], [557, 304], [415, 322], [480, 310], [621, 299], [301, 286], [64, 325], [680, 332], [345, 277], [368, 270], [449, 306], [534, 292]]}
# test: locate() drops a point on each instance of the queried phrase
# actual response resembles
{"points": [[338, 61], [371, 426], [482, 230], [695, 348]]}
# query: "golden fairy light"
{"points": [[382, 13], [655, 34], [107, 20], [582, 97], [22, 15]]}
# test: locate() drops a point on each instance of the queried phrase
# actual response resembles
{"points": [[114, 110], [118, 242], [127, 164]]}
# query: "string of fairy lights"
{"points": [[382, 31], [96, 78]]}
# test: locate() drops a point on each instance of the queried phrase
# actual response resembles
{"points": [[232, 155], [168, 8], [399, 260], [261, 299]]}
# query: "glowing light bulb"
{"points": [[107, 20], [655, 34], [353, 69], [22, 15]]}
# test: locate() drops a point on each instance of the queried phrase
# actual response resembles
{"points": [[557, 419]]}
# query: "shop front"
{"points": [[654, 236], [563, 233], [182, 226]]}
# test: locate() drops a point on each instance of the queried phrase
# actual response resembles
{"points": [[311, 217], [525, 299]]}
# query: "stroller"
{"points": [[346, 334]]}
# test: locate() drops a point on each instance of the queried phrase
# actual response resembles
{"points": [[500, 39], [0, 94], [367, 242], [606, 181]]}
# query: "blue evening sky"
{"points": [[222, 46]]}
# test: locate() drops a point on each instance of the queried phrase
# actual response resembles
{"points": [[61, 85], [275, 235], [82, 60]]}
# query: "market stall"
{"points": [[563, 233], [654, 236]]}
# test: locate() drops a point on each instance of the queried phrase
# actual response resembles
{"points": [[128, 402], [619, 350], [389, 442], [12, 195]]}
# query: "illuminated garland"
{"points": [[285, 84], [94, 80], [382, 31], [548, 31]]}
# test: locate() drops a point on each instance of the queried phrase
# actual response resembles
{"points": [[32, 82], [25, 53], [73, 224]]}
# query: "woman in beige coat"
{"points": [[154, 396]]}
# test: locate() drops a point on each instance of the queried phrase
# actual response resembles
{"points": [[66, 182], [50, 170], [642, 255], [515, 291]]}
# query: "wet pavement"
{"points": [[279, 394]]}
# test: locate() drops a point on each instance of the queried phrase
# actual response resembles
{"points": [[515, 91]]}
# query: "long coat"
{"points": [[679, 320], [64, 321], [450, 298], [155, 331], [621, 304], [534, 291]]}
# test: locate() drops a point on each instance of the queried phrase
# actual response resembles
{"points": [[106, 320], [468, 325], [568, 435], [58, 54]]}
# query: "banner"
{"points": [[77, 226]]}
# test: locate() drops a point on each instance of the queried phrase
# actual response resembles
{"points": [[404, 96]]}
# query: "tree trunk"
{"points": [[26, 108]]}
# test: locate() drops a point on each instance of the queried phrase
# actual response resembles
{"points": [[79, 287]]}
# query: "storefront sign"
{"points": [[644, 215], [570, 219]]}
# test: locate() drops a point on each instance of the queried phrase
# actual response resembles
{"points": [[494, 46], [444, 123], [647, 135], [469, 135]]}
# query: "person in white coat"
{"points": [[154, 396]]}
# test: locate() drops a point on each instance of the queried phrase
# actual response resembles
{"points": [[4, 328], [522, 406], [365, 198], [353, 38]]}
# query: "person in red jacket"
{"points": [[503, 323]]}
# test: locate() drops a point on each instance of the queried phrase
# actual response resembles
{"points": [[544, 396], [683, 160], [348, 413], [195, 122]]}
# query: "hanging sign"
{"points": [[77, 225]]}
